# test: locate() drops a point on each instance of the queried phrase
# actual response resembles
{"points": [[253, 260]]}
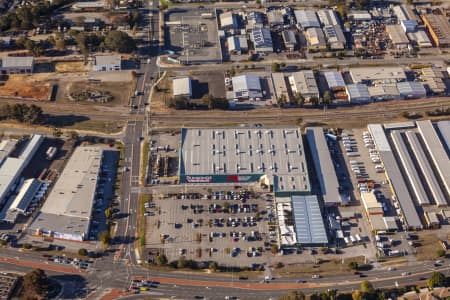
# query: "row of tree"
{"points": [[366, 291], [206, 101], [23, 113]]}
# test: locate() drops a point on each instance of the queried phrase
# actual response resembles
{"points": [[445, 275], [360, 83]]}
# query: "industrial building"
{"points": [[308, 220], [377, 75], [315, 38], [306, 19], [383, 92], [410, 218], [279, 86], [328, 17], [255, 19], [426, 168], [19, 204], [228, 20], [17, 65], [335, 81], [272, 156], [304, 83], [371, 204], [409, 26], [6, 148], [182, 87], [275, 17], [439, 29], [289, 40], [444, 130], [358, 93], [247, 87], [411, 90], [436, 151], [107, 63], [324, 167], [12, 168], [420, 38], [66, 214], [335, 37], [416, 187], [398, 36], [237, 44], [262, 40]]}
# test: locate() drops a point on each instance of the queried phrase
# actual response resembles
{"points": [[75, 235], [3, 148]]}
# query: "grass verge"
{"points": [[141, 219], [144, 162]]}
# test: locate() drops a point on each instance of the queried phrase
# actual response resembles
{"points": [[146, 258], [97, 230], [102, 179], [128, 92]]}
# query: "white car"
{"points": [[406, 273], [315, 276]]}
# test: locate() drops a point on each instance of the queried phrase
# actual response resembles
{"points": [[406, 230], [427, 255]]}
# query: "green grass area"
{"points": [[141, 221], [144, 162]]}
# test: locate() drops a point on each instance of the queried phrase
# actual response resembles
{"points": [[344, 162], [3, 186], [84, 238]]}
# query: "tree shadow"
{"points": [[63, 120], [74, 286]]}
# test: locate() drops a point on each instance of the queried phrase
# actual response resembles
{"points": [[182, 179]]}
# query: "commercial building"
{"points": [[404, 13], [89, 6], [315, 39], [377, 75], [107, 63], [304, 83], [371, 204], [12, 167], [279, 86], [324, 167], [262, 40], [328, 17], [410, 218], [436, 151], [409, 25], [411, 90], [66, 213], [426, 169], [409, 169], [182, 87], [17, 65], [420, 38], [358, 93], [432, 220], [272, 156], [398, 36], [289, 40], [228, 20], [308, 220], [439, 29], [383, 92], [335, 81], [247, 87], [8, 282], [255, 19], [360, 16], [306, 18]]}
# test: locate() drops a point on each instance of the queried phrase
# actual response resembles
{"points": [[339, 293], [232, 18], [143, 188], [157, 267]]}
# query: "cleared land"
{"points": [[26, 86]]}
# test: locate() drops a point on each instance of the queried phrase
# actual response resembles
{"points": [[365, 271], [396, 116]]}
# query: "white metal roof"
{"points": [[182, 86], [17, 62], [306, 18], [25, 195], [444, 129], [246, 83], [107, 60], [334, 79]]}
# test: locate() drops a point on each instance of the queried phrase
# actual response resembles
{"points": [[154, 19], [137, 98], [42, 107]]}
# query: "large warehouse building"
{"points": [[11, 167], [273, 156], [67, 211]]}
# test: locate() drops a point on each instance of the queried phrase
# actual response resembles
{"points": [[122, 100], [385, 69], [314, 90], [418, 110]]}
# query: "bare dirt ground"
{"points": [[70, 67], [120, 91], [34, 86]]}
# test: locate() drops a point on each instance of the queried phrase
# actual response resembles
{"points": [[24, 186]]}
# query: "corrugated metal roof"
{"points": [[17, 61], [306, 18], [182, 86], [309, 225], [410, 169], [425, 166], [246, 83], [26, 194], [325, 172], [334, 79], [444, 130]]}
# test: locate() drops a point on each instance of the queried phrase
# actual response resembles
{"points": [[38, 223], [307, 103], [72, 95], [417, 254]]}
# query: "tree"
{"points": [[214, 103], [105, 237], [327, 97], [367, 287], [282, 100], [181, 263], [108, 213], [353, 265], [293, 295], [299, 99], [213, 266], [275, 67], [35, 284], [27, 246], [82, 252], [357, 295], [274, 249], [178, 103], [60, 44], [119, 41], [441, 252], [232, 71], [161, 260], [436, 279], [314, 100]]}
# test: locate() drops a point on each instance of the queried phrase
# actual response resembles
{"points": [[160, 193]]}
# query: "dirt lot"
{"points": [[27, 86], [120, 91], [70, 67]]}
